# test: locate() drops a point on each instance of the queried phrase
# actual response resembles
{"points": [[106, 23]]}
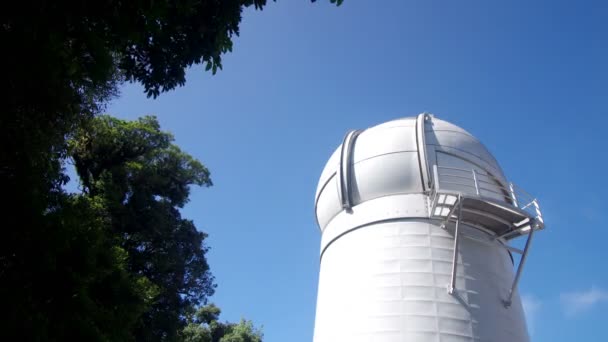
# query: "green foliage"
{"points": [[204, 326], [122, 158], [244, 331], [142, 179], [117, 262]]}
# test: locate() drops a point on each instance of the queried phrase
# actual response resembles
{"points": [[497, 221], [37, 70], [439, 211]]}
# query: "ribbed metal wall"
{"points": [[387, 282]]}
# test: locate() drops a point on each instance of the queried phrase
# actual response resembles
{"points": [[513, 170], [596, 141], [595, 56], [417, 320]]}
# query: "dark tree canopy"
{"points": [[79, 286], [151, 42]]}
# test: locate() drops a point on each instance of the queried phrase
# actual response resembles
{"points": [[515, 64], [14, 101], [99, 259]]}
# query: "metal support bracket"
{"points": [[457, 204], [507, 302]]}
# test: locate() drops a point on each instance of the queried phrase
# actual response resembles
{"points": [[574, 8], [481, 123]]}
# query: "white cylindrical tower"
{"points": [[416, 216]]}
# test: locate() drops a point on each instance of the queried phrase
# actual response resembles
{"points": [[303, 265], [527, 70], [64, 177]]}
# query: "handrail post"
{"points": [[513, 197], [452, 285], [539, 215], [475, 181]]}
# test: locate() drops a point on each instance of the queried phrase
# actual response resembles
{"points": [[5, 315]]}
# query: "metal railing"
{"points": [[483, 184]]}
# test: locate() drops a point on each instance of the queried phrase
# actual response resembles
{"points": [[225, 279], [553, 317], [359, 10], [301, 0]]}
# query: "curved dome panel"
{"points": [[386, 160]]}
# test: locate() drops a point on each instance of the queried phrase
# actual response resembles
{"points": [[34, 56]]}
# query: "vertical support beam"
{"points": [[520, 268], [452, 285]]}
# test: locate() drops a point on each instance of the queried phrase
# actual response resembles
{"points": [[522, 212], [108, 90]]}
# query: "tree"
{"points": [[244, 331], [143, 179], [63, 62], [123, 264], [204, 326]]}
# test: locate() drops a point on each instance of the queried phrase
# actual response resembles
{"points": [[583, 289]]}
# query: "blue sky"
{"points": [[528, 80]]}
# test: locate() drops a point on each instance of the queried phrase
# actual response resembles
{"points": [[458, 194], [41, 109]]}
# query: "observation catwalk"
{"points": [[416, 217]]}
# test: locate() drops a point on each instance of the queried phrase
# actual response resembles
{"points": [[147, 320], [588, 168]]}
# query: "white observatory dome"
{"points": [[415, 216]]}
